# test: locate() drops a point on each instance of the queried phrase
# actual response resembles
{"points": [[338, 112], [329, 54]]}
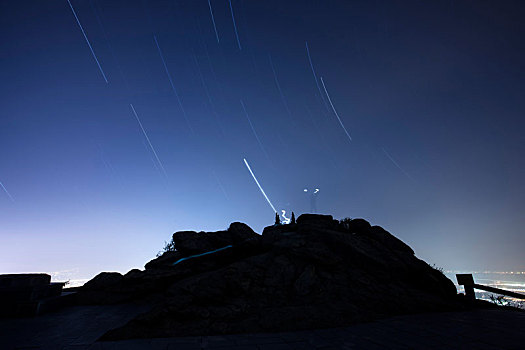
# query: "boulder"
{"points": [[360, 226], [164, 260], [326, 221], [103, 280], [24, 280], [384, 237], [191, 243], [240, 231]]}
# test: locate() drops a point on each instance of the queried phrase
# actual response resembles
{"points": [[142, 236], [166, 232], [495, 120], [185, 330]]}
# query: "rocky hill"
{"points": [[313, 274]]}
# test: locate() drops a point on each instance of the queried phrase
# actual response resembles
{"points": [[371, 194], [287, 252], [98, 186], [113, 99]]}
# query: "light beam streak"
{"points": [[149, 142], [213, 21], [397, 165], [235, 26], [315, 76], [335, 112], [7, 192], [258, 184], [87, 41], [173, 85], [285, 219], [279, 87], [254, 132]]}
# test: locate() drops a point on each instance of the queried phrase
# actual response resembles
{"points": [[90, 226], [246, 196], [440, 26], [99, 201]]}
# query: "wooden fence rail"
{"points": [[467, 281]]}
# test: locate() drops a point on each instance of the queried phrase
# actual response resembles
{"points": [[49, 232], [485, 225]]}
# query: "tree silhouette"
{"points": [[277, 220], [293, 218]]}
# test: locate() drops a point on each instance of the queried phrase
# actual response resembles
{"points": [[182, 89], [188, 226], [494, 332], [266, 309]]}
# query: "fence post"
{"points": [[467, 281]]}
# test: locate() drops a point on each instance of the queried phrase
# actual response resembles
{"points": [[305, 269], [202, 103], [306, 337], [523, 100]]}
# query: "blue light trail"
{"points": [[173, 85], [235, 26], [335, 112], [7, 192], [87, 40], [279, 87], [397, 165], [197, 255], [213, 21], [254, 132], [315, 76], [149, 142]]}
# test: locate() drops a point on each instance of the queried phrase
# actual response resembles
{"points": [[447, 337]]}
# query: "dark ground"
{"points": [[79, 328]]}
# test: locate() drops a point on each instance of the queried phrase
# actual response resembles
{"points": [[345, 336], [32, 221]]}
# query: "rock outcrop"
{"points": [[316, 273], [190, 242]]}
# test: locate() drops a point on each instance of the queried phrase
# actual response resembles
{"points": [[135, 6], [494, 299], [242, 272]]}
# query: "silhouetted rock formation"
{"points": [[190, 242], [30, 294], [313, 274]]}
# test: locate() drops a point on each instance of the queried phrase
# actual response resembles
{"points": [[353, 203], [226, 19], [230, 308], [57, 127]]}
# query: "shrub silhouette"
{"points": [[345, 223], [168, 247]]}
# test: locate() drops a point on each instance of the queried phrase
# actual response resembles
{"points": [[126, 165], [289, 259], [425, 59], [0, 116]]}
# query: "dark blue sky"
{"points": [[431, 93]]}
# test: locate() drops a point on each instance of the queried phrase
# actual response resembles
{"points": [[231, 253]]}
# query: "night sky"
{"points": [[409, 114]]}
